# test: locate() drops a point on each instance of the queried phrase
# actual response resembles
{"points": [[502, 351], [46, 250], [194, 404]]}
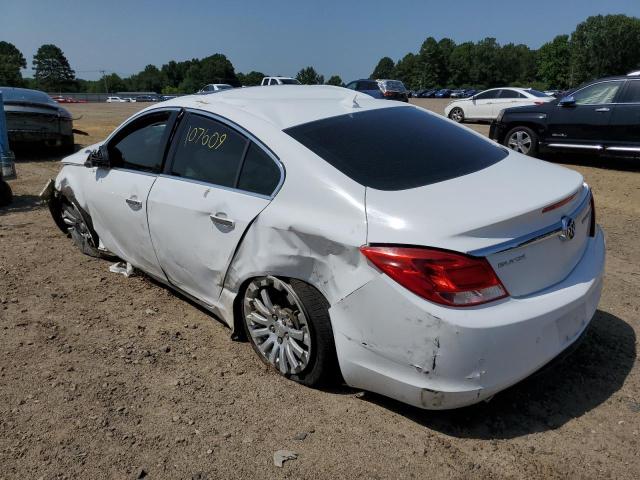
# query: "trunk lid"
{"points": [[495, 213]]}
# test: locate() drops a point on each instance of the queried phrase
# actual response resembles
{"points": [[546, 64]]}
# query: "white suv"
{"points": [[279, 81]]}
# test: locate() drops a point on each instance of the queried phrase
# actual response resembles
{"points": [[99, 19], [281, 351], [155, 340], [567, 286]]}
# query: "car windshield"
{"points": [[536, 93], [397, 148], [289, 81]]}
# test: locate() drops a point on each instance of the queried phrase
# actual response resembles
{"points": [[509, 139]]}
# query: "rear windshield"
{"points": [[289, 81], [397, 148], [393, 85], [536, 93]]}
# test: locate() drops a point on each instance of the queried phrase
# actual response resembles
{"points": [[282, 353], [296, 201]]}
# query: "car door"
{"points": [[480, 107], [506, 98], [218, 180], [584, 123], [625, 122], [118, 196]]}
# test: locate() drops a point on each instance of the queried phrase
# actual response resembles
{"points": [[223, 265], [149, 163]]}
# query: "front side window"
{"points": [[259, 174], [397, 148], [600, 93], [632, 93], [208, 151], [487, 95], [140, 146], [351, 86]]}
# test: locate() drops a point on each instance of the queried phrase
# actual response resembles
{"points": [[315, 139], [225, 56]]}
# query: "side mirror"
{"points": [[567, 101], [98, 158]]}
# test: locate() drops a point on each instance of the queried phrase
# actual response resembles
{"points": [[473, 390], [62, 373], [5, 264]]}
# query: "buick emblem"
{"points": [[568, 228]]}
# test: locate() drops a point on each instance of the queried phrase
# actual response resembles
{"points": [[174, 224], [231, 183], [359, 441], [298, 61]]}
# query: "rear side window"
{"points": [[397, 148], [208, 151], [632, 92], [368, 86], [260, 174]]}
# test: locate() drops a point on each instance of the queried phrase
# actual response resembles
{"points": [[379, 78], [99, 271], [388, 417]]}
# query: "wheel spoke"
{"points": [[296, 349], [260, 332], [264, 346], [282, 360], [259, 319], [290, 358], [261, 307], [296, 334], [274, 352], [267, 300]]}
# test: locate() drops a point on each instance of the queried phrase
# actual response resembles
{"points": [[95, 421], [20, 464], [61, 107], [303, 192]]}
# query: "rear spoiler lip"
{"points": [[537, 236]]}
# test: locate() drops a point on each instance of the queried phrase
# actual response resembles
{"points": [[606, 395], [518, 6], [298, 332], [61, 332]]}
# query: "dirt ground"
{"points": [[103, 376]]}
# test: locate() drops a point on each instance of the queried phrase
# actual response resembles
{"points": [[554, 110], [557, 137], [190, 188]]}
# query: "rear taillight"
{"points": [[388, 94], [538, 103], [442, 277], [592, 224]]}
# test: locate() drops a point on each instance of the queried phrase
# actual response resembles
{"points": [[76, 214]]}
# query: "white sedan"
{"points": [[486, 105], [347, 236]]}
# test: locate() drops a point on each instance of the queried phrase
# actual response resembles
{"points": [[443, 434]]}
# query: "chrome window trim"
{"points": [[534, 237], [251, 137]]}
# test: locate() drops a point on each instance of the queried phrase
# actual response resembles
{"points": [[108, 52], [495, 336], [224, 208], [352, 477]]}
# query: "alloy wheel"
{"points": [[73, 219], [520, 141], [457, 115], [277, 324]]}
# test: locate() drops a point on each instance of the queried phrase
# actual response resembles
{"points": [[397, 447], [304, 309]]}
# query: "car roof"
{"points": [[26, 95], [282, 107]]}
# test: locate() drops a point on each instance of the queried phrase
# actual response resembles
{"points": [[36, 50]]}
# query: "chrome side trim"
{"points": [[575, 145], [623, 149], [533, 237]]}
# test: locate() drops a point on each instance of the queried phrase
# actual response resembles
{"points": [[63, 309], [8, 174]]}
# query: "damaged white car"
{"points": [[348, 236]]}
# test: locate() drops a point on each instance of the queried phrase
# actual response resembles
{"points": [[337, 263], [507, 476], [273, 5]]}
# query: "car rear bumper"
{"points": [[394, 343]]}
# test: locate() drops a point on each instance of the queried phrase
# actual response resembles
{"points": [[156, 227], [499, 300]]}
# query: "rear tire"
{"points": [[522, 140], [289, 328]]}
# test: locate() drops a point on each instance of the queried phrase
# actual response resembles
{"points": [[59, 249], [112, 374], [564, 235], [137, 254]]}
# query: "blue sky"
{"points": [[278, 36]]}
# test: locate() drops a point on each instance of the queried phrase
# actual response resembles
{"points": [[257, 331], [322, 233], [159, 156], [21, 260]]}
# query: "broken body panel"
{"points": [[388, 340]]}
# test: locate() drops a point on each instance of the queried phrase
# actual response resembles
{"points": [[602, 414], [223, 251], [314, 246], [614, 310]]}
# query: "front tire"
{"points": [[457, 115], [6, 195], [522, 140], [80, 232], [288, 325]]}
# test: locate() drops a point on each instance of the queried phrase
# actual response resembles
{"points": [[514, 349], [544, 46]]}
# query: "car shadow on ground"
{"points": [[545, 401], [21, 204], [621, 164]]}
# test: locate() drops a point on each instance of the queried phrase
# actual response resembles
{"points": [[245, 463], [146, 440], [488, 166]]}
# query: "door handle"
{"points": [[221, 219], [135, 204], [603, 109]]}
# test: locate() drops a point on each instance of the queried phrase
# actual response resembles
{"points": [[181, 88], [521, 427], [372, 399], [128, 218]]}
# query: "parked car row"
{"points": [[140, 98]]}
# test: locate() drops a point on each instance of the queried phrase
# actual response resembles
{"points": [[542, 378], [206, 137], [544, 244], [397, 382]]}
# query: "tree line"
{"points": [[599, 46]]}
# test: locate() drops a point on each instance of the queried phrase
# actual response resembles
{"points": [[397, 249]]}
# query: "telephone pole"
{"points": [[104, 77]]}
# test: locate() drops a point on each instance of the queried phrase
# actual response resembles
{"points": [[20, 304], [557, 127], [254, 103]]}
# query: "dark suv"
{"points": [[602, 116]]}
